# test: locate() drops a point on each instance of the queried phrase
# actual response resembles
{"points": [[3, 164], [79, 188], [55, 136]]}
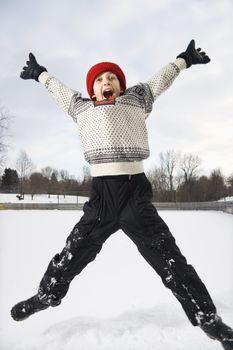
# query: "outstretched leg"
{"points": [[162, 253], [141, 222], [181, 278], [82, 246]]}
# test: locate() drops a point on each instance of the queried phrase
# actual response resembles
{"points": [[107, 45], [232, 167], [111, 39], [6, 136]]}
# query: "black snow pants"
{"points": [[124, 202]]}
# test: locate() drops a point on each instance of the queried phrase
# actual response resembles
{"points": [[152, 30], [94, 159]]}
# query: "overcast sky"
{"points": [[67, 37]]}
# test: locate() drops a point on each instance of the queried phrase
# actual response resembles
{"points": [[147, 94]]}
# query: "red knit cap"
{"points": [[100, 68]]}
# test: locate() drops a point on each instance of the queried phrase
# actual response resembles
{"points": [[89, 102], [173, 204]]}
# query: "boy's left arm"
{"points": [[161, 81]]}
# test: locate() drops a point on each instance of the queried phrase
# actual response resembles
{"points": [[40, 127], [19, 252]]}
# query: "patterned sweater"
{"points": [[113, 132]]}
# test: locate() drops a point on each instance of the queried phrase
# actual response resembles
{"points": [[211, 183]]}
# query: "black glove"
{"points": [[32, 70], [193, 56]]}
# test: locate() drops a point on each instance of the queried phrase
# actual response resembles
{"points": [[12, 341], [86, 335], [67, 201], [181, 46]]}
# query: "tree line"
{"points": [[24, 180], [176, 178]]}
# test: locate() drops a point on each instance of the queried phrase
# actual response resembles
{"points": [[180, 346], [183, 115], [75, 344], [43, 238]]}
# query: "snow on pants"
{"points": [[124, 202]]}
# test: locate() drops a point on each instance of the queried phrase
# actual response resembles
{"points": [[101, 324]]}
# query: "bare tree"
{"points": [[24, 167], [158, 182], [217, 188], [37, 184], [230, 185], [189, 165], [168, 162], [64, 175], [64, 181], [54, 184], [5, 118], [86, 182], [47, 172], [86, 173]]}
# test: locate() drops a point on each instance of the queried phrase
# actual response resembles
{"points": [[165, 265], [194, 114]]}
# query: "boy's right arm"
{"points": [[60, 92]]}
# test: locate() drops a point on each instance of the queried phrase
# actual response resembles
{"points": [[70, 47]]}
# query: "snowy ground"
{"points": [[40, 198], [226, 199], [117, 302], [44, 198]]}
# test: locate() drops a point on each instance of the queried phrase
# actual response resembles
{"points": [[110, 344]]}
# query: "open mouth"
{"points": [[107, 94]]}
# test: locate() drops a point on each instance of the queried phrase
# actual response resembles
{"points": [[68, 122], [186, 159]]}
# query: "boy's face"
{"points": [[106, 85]]}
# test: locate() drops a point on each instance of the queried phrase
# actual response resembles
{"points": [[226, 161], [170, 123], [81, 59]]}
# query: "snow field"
{"points": [[40, 198], [118, 302]]}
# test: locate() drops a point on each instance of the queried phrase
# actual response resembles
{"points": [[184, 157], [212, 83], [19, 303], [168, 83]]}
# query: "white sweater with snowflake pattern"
{"points": [[113, 132]]}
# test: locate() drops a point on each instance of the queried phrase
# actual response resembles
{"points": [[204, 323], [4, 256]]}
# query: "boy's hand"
{"points": [[32, 70], [194, 56]]}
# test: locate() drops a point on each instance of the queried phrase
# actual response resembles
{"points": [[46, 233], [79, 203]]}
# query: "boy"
{"points": [[114, 139]]}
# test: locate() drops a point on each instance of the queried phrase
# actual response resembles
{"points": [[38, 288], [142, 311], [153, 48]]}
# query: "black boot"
{"points": [[26, 308], [218, 330]]}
